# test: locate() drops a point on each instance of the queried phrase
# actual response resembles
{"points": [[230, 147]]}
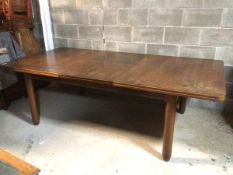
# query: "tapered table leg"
{"points": [[33, 100], [169, 121]]}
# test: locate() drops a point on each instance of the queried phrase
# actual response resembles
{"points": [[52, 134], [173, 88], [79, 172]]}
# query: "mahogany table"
{"points": [[175, 79]]}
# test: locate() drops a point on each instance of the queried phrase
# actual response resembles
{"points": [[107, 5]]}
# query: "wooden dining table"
{"points": [[172, 79]]}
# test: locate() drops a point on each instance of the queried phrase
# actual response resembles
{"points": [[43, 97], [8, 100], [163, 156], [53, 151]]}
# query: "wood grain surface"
{"points": [[187, 77], [22, 167]]}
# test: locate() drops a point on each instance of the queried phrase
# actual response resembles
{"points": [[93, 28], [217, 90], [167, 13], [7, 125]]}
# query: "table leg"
{"points": [[181, 104], [33, 100], [169, 121]]}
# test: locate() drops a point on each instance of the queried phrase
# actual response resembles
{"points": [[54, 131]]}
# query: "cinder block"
{"points": [[98, 45], [184, 3], [96, 16], [225, 54], [217, 37], [110, 16], [132, 48], [89, 3], [132, 16], [165, 17], [90, 32], [63, 3], [142, 22], [57, 16], [218, 4], [197, 52], [202, 18], [76, 16], [227, 20], [60, 42], [117, 3], [175, 35], [117, 33], [82, 44], [166, 50], [66, 31], [148, 34], [148, 3], [111, 46]]}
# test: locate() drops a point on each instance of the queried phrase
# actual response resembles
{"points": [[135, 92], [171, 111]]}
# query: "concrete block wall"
{"points": [[184, 28]]}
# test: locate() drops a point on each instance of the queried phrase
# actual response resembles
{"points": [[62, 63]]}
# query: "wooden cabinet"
{"points": [[15, 14]]}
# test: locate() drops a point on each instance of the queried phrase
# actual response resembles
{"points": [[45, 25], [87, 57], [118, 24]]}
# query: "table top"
{"points": [[187, 77]]}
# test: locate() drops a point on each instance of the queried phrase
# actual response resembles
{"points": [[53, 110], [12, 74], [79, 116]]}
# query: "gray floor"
{"points": [[103, 134]]}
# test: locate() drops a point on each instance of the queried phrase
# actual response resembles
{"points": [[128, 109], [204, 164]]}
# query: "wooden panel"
{"points": [[23, 167], [198, 78]]}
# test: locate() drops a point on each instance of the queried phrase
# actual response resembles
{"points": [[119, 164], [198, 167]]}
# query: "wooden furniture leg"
{"points": [[33, 100], [181, 105], [169, 121]]}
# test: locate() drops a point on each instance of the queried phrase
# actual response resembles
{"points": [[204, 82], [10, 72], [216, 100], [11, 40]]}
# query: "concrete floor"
{"points": [[104, 134]]}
